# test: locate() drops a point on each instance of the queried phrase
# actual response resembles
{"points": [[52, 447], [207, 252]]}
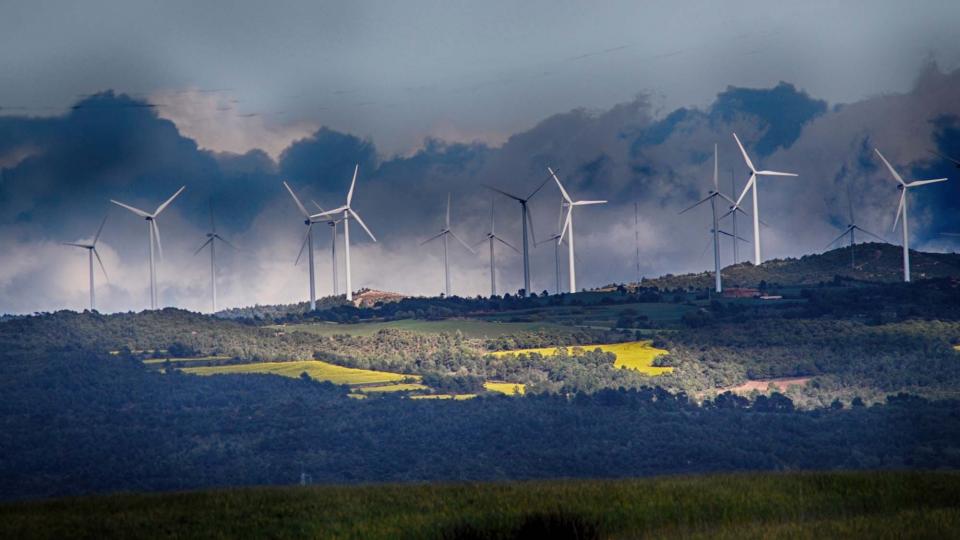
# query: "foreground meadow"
{"points": [[800, 505]]}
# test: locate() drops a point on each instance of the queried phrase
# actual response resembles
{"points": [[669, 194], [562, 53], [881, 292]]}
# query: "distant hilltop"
{"points": [[370, 297], [872, 262]]}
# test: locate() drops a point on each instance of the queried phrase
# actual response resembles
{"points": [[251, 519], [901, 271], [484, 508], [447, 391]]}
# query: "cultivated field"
{"points": [[795, 505], [638, 355]]}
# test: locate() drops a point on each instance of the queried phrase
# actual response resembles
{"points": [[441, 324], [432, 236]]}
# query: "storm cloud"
{"points": [[58, 174]]}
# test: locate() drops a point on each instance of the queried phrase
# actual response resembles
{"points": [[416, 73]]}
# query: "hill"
{"points": [[875, 263], [835, 505]]}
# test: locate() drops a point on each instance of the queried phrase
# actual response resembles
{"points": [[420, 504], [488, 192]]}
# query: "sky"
{"points": [[131, 100]]}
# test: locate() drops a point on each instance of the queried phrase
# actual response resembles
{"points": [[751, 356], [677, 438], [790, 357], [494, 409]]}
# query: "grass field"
{"points": [[794, 505], [472, 328], [636, 355], [456, 397], [597, 315], [399, 387], [321, 371]]}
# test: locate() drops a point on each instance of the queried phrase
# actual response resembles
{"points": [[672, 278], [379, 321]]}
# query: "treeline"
{"points": [[79, 424]]}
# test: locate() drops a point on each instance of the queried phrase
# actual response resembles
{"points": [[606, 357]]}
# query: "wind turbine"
{"points": [[712, 198], [443, 234], [91, 253], [752, 183], [308, 221], [526, 219], [568, 227], [212, 238], [556, 239], [333, 223], [154, 230], [956, 163], [851, 230], [491, 237], [902, 210], [347, 214]]}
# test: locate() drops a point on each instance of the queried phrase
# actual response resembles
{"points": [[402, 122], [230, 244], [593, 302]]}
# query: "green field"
{"points": [[794, 505], [637, 355], [471, 328], [596, 315], [321, 371]]}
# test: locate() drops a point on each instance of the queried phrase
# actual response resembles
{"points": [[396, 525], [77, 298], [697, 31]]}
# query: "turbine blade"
{"points": [[716, 171], [504, 193], [533, 235], [296, 200], [448, 210], [724, 197], [362, 224], [213, 224], [434, 237], [834, 241], [464, 244], [864, 231], [586, 203], [329, 212], [224, 240], [353, 183], [924, 182], [320, 208], [99, 260], [303, 245], [903, 195], [745, 156], [534, 192], [850, 205], [136, 211], [696, 204], [563, 192], [76, 245], [890, 167], [774, 173], [504, 242], [156, 233], [163, 206], [746, 188], [948, 158], [100, 230], [566, 224], [203, 245]]}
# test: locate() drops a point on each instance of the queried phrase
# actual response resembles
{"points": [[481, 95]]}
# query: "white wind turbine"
{"points": [[154, 230], [567, 230], [851, 230], [526, 220], [491, 237], [752, 183], [902, 210], [308, 220], [348, 212], [712, 197], [91, 253], [211, 241], [443, 234], [333, 223]]}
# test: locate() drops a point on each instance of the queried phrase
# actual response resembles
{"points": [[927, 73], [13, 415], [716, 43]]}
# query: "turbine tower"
{"points": [[851, 230], [154, 231], [491, 237], [212, 238], [712, 198], [333, 223], [443, 234], [902, 210], [91, 253], [568, 228], [308, 221], [752, 184], [525, 219], [348, 212]]}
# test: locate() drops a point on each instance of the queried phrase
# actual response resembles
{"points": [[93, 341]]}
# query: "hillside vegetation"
{"points": [[805, 505]]}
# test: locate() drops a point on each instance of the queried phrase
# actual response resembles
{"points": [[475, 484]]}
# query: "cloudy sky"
{"points": [[131, 100]]}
